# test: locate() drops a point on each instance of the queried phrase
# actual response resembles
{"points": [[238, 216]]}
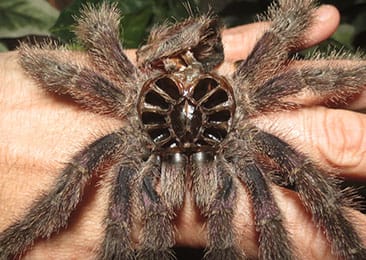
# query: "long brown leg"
{"points": [[157, 234], [274, 242], [327, 84], [265, 78], [53, 72], [51, 211], [117, 244], [318, 191], [215, 195], [173, 181], [290, 20], [98, 29]]}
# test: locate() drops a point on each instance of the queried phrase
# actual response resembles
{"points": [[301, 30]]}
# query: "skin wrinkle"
{"points": [[332, 137], [347, 153], [34, 110], [85, 226], [350, 148]]}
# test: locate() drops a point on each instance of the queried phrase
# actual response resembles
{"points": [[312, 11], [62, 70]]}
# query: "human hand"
{"points": [[40, 131]]}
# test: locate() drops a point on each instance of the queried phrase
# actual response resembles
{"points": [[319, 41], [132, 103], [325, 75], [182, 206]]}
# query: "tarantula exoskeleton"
{"points": [[189, 127]]}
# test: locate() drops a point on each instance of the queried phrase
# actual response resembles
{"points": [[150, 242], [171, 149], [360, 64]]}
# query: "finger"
{"points": [[308, 240], [239, 41], [335, 138], [359, 103]]}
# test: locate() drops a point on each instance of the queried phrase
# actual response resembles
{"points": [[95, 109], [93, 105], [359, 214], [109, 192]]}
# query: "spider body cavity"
{"points": [[186, 110]]}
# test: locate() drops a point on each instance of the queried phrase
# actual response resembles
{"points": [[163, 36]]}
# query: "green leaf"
{"points": [[345, 34], [138, 18], [3, 47], [24, 17], [134, 27]]}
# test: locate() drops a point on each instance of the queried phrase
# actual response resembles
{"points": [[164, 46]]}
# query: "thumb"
{"points": [[239, 41], [334, 138]]}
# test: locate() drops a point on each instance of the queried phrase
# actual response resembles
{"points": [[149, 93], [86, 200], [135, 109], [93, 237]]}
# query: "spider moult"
{"points": [[191, 128]]}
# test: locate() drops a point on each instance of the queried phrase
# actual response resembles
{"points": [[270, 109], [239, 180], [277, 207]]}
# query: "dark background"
{"points": [[21, 18]]}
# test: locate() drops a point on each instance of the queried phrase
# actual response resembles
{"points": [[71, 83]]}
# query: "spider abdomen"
{"points": [[186, 113]]}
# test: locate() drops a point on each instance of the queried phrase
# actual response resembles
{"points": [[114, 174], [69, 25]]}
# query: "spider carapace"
{"points": [[186, 110]]}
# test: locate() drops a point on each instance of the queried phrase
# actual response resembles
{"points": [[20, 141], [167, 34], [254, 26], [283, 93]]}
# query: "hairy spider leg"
{"points": [[214, 193], [173, 180], [157, 234], [274, 242], [264, 79], [318, 192], [331, 83], [93, 91], [290, 20], [161, 190], [268, 218], [98, 30], [51, 211], [117, 244]]}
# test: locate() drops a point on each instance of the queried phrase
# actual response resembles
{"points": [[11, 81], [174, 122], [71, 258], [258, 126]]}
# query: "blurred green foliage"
{"points": [[22, 17], [19, 18], [138, 17]]}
